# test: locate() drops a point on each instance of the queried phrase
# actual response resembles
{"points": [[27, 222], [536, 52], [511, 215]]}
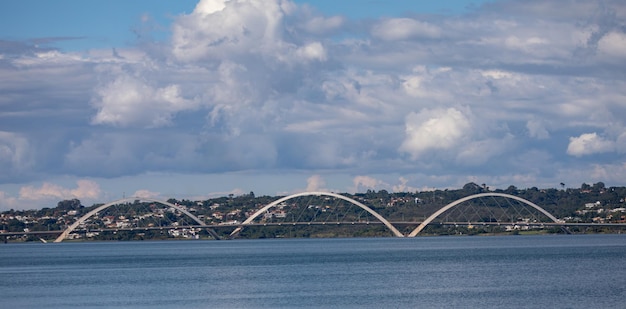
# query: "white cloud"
{"points": [[612, 46], [611, 173], [413, 86], [404, 28], [361, 183], [438, 129], [315, 183], [260, 86], [50, 58], [537, 129], [479, 153], [16, 155], [206, 7], [146, 194], [128, 101], [587, 144], [223, 29], [312, 51], [591, 173], [85, 189], [496, 74], [403, 186], [526, 44]]}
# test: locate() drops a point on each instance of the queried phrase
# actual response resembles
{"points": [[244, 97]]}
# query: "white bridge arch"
{"points": [[128, 199], [249, 220], [479, 195], [393, 229]]}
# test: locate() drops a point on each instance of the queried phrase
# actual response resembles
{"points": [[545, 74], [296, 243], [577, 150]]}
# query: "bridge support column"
{"points": [[213, 234]]}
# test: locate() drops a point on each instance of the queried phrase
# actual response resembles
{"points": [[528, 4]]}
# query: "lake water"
{"points": [[564, 271]]}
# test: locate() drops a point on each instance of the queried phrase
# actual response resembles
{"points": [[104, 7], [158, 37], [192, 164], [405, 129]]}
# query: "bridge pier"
{"points": [[566, 230], [213, 234]]}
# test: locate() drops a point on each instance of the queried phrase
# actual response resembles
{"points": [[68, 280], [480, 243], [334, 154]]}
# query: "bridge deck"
{"points": [[397, 223]]}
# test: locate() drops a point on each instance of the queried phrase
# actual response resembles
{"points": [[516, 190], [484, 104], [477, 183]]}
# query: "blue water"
{"points": [[565, 271]]}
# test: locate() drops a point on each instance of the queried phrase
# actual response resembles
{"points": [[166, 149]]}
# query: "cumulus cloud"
{"points": [[207, 7], [403, 186], [85, 189], [362, 182], [264, 85], [438, 129], [589, 143], [128, 101], [225, 29], [312, 51], [315, 183], [424, 83]]}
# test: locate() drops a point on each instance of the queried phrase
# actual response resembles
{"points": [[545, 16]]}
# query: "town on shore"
{"points": [[141, 220]]}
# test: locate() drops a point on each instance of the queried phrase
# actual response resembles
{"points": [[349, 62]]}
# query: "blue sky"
{"points": [[76, 25], [86, 24], [192, 99]]}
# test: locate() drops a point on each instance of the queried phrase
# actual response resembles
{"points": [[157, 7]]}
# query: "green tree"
{"points": [[65, 205], [599, 186]]}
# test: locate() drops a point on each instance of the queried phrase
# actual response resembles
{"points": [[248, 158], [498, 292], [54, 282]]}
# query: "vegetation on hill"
{"points": [[589, 203]]}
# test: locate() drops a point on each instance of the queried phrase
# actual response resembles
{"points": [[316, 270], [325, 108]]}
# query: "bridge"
{"points": [[308, 210]]}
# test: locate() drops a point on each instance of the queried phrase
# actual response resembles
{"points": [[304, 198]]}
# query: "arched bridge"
{"points": [[99, 209], [331, 208], [248, 221], [476, 196]]}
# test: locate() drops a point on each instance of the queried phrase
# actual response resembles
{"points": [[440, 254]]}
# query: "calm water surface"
{"points": [[566, 271]]}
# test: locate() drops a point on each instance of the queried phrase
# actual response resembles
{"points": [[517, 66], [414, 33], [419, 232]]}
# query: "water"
{"points": [[566, 271]]}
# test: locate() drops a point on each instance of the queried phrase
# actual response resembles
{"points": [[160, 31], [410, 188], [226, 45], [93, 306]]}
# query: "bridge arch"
{"points": [[128, 199], [479, 195], [392, 228]]}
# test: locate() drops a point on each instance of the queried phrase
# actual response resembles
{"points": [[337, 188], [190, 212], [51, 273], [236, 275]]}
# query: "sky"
{"points": [[199, 99]]}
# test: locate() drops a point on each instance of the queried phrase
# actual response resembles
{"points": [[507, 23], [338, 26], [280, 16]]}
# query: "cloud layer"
{"points": [[515, 92]]}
